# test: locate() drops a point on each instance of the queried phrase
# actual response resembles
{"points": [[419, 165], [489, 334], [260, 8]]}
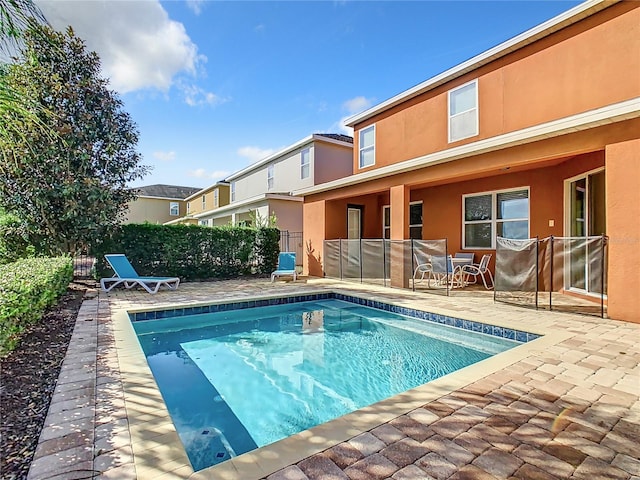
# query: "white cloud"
{"points": [[352, 106], [195, 6], [164, 156], [139, 45], [202, 173], [195, 96], [255, 153]]}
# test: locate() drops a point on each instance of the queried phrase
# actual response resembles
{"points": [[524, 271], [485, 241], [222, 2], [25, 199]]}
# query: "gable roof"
{"points": [[166, 191], [532, 35]]}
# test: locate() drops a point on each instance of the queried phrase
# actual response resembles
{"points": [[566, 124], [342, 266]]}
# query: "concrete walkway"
{"points": [[564, 406]]}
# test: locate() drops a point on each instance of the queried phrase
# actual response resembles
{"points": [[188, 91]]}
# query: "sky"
{"points": [[214, 86]]}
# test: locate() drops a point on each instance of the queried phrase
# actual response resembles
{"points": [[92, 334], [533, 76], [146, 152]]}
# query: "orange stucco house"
{"points": [[550, 118]]}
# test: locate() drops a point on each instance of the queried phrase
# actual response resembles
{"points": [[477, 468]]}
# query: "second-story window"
{"points": [[204, 202], [174, 209], [216, 198], [463, 111], [233, 191], [367, 146], [270, 177], [304, 163], [188, 208]]}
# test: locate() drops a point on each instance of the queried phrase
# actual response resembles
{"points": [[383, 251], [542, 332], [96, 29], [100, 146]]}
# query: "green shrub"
{"points": [[27, 287], [192, 252]]}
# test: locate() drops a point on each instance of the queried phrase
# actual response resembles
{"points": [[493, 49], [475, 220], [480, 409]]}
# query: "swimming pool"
{"points": [[243, 377]]}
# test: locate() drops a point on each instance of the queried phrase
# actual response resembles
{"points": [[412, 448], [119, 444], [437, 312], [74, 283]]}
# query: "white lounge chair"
{"points": [[286, 266], [127, 275]]}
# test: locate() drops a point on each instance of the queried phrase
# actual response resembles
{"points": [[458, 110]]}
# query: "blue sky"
{"points": [[216, 85]]}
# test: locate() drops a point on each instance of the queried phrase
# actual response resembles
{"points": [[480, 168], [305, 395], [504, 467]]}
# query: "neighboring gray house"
{"points": [[158, 203], [264, 188]]}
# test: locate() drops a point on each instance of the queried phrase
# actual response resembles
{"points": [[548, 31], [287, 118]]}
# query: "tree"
{"points": [[71, 188]]}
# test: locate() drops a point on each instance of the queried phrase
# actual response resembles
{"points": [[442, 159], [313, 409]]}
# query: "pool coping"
{"points": [[158, 450]]}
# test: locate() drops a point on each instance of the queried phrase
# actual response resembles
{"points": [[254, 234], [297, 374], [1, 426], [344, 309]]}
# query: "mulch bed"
{"points": [[29, 377]]}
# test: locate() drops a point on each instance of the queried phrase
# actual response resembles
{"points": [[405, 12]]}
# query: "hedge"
{"points": [[27, 288], [192, 252]]}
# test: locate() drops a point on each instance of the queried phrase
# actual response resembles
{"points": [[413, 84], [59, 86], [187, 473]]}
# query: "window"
{"points": [[270, 177], [463, 111], [174, 209], [204, 202], [233, 191], [488, 215], [415, 221], [216, 198], [304, 163], [188, 208], [367, 145], [204, 223]]}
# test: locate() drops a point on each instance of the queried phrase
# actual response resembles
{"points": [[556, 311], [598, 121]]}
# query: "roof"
{"points": [[545, 29], [334, 138], [166, 191]]}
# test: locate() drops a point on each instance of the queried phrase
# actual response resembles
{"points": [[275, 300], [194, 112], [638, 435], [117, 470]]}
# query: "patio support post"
{"points": [[399, 196]]}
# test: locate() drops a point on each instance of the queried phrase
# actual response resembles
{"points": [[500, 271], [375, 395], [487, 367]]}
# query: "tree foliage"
{"points": [[69, 188]]}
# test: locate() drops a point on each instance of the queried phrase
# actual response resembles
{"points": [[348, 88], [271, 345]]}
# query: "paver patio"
{"points": [[564, 406]]}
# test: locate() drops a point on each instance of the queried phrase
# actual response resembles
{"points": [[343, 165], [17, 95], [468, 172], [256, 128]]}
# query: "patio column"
{"points": [[399, 200], [314, 227], [622, 170]]}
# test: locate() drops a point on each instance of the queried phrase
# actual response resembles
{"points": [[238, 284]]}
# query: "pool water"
{"points": [[238, 380]]}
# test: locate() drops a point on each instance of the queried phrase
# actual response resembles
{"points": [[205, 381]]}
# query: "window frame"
{"points": [[450, 116], [216, 198], [233, 191], [204, 202], [306, 151], [494, 221], [362, 149], [171, 207], [388, 227], [188, 208], [270, 176]]}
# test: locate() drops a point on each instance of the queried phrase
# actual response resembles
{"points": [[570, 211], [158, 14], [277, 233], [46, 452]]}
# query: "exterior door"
{"points": [[586, 219], [354, 234]]}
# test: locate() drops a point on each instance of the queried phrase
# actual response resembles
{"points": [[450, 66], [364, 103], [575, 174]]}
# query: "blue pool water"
{"points": [[237, 380]]}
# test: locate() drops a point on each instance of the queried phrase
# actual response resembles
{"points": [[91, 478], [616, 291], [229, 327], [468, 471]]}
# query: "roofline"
{"points": [[616, 112], [199, 192], [316, 137], [249, 201], [532, 35], [155, 197]]}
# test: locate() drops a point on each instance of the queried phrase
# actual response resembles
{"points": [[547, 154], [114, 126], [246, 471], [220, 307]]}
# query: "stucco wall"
{"points": [[332, 162], [152, 210], [585, 66]]}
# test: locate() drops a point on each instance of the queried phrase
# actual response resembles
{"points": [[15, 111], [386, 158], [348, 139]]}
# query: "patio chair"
{"points": [[125, 274], [286, 266], [479, 270], [443, 270], [469, 256], [423, 266]]}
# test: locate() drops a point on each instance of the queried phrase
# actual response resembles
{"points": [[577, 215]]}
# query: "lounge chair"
{"points": [[286, 266], [127, 275]]}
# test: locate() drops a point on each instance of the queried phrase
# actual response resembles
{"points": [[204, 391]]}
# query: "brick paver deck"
{"points": [[568, 408]]}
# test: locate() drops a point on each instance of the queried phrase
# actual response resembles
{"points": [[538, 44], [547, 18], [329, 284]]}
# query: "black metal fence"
{"points": [[555, 273], [292, 242]]}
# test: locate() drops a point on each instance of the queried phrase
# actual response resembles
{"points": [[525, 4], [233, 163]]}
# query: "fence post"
{"points": [[551, 268], [340, 257], [360, 259], [413, 282], [384, 263], [446, 263], [602, 266], [537, 268]]}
